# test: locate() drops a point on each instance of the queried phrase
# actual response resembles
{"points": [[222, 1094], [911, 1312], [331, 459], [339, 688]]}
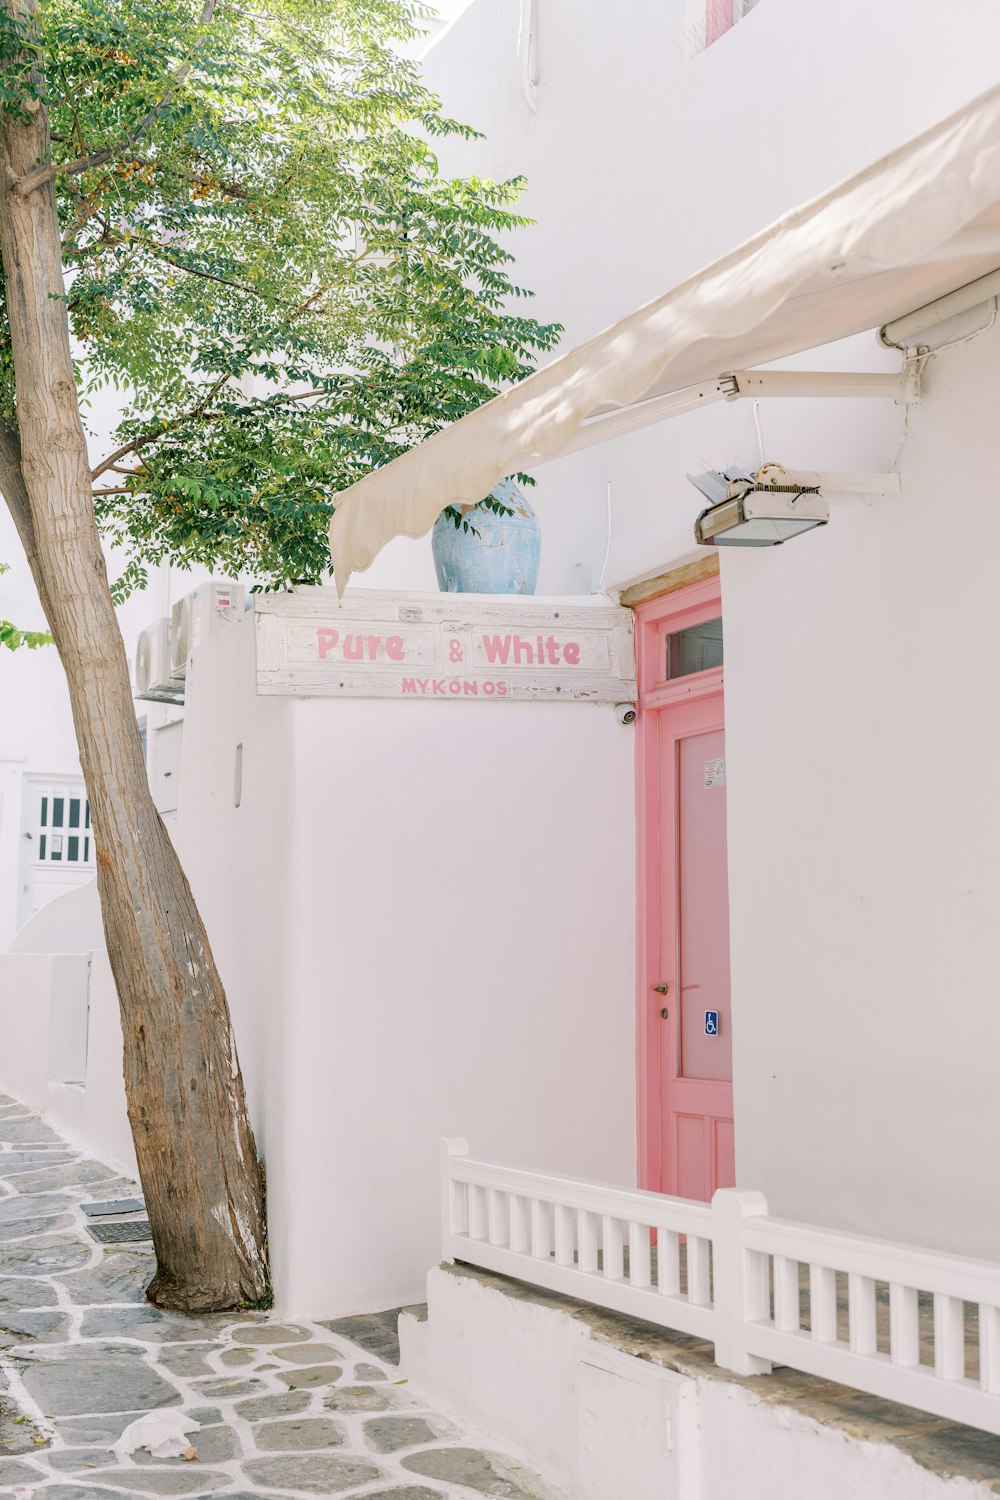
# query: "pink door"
{"points": [[685, 1038]]}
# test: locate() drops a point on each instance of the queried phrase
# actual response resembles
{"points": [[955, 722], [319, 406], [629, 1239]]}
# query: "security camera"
{"points": [[625, 713]]}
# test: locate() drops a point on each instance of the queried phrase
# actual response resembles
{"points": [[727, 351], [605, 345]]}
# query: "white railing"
{"points": [[915, 1326]]}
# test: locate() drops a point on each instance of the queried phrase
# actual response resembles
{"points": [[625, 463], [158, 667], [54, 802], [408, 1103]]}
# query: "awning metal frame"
{"points": [[908, 332], [735, 385]]}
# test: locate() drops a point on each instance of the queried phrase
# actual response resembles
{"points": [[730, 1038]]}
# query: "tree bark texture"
{"points": [[194, 1144]]}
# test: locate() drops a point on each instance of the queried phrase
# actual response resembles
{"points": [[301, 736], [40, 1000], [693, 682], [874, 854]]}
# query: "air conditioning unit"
{"points": [[152, 661], [199, 615]]}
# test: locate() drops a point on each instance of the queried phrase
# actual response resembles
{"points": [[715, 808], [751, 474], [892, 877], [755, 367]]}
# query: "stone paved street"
{"points": [[279, 1408]]}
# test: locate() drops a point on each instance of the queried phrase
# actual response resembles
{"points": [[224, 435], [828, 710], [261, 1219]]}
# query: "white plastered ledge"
{"points": [[911, 228]]}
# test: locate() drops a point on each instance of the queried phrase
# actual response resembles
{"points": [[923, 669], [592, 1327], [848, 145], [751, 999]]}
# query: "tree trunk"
{"points": [[194, 1144]]}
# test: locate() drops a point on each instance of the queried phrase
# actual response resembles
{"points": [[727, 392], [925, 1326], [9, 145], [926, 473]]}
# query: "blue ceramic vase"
{"points": [[497, 555]]}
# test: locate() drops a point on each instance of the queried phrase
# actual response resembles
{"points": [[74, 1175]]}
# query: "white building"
{"points": [[427, 914]]}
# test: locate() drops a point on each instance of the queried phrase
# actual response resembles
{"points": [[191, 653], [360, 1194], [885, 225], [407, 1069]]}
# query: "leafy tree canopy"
{"points": [[262, 256]]}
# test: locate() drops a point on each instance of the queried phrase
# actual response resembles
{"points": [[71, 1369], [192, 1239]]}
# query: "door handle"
{"points": [[661, 989]]}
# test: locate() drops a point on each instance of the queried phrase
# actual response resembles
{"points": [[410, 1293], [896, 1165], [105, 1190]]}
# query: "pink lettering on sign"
{"points": [[357, 647], [497, 648], [542, 651], [439, 686]]}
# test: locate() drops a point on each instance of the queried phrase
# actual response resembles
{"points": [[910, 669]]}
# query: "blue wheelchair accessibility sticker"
{"points": [[711, 1023]]}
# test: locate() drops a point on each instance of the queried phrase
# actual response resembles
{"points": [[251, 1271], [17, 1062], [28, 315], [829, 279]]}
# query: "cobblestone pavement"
{"points": [[281, 1408]]}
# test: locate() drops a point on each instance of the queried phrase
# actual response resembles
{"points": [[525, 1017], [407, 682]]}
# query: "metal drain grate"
{"points": [[117, 1234]]}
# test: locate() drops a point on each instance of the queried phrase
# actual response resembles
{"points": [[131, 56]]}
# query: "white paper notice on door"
{"points": [[715, 772]]}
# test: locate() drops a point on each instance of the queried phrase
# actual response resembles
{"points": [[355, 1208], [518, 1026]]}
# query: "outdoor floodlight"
{"points": [[755, 510]]}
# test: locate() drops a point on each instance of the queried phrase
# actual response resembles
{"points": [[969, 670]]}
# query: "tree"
{"points": [[234, 215]]}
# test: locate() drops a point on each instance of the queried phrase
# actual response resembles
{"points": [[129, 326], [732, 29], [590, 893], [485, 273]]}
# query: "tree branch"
{"points": [[310, 302], [22, 186], [153, 433], [162, 253], [112, 459]]}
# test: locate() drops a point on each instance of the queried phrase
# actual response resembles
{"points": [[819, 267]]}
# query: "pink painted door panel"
{"points": [[703, 902], [691, 942]]}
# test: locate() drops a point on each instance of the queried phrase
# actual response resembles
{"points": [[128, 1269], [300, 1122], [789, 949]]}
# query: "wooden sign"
{"points": [[444, 647]]}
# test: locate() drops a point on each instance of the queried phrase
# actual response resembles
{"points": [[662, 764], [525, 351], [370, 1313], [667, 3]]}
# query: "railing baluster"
{"points": [[459, 1199], [586, 1230], [786, 1294], [823, 1304], [565, 1239], [541, 1229], [454, 1196], [989, 1348], [613, 1236], [497, 1209], [640, 1272], [668, 1263], [520, 1229], [478, 1216], [949, 1337], [698, 1269], [862, 1332], [904, 1325]]}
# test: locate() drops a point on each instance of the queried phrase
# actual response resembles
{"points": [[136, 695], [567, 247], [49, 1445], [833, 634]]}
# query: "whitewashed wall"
{"points": [[423, 915], [860, 661], [864, 829]]}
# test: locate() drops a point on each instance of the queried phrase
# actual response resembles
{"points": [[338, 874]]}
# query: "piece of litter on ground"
{"points": [[113, 1206], [164, 1433]]}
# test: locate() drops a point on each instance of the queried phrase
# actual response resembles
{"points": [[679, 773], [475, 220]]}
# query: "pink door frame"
{"points": [[718, 19], [654, 621]]}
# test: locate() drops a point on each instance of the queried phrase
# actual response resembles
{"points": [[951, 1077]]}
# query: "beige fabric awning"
{"points": [[917, 224]]}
